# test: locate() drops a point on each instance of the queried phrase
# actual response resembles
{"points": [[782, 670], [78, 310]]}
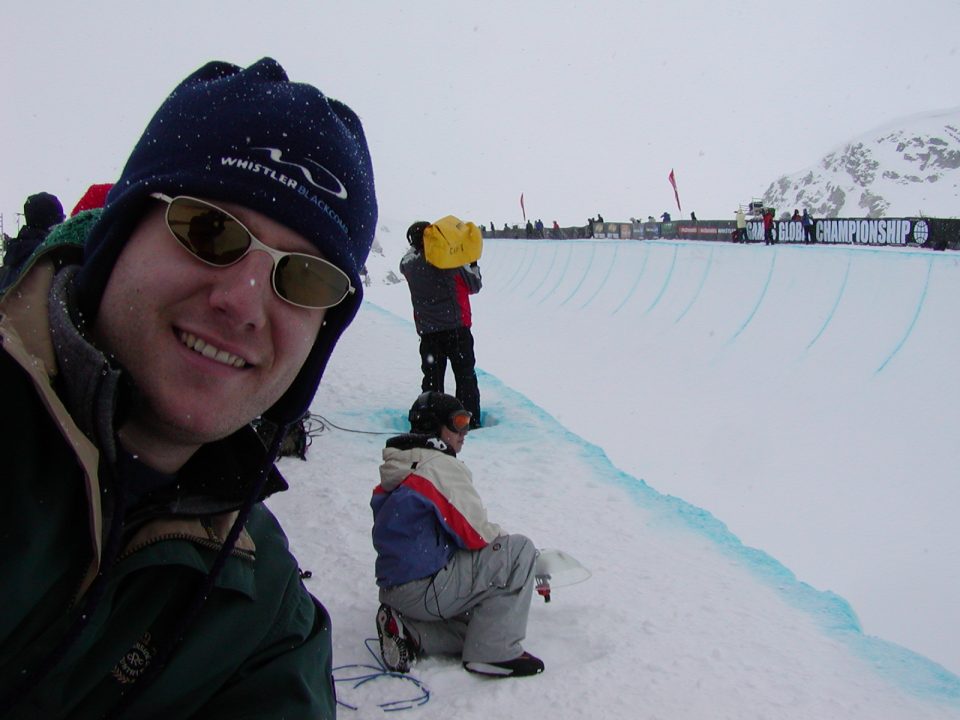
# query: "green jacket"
{"points": [[261, 646]]}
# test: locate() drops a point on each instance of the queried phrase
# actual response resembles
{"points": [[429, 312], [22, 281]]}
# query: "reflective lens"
{"points": [[217, 238], [459, 421]]}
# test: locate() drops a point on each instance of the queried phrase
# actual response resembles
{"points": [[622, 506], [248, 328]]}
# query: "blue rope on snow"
{"points": [[378, 672], [318, 424]]}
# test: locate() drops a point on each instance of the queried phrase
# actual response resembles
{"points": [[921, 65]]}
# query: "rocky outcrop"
{"points": [[909, 168]]}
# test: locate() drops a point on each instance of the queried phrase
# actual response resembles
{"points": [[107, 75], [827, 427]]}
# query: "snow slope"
{"points": [[736, 440]]}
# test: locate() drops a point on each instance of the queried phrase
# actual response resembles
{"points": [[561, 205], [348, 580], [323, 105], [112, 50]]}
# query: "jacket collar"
{"points": [[408, 441], [89, 384]]}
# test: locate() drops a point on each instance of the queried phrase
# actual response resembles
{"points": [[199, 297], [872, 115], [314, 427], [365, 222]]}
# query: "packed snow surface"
{"points": [[750, 448]]}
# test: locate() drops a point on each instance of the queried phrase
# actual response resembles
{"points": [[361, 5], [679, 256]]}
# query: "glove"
{"points": [[543, 587]]}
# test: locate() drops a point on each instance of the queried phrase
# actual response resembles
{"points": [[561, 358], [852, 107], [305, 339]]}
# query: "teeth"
{"points": [[209, 351]]}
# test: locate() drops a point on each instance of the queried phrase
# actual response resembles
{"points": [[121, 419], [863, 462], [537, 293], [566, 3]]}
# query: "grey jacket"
{"points": [[441, 298]]}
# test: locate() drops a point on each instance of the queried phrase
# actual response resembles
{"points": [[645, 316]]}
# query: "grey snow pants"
{"points": [[476, 606]]}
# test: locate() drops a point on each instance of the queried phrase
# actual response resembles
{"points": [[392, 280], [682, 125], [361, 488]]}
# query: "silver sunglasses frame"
{"points": [[255, 244]]}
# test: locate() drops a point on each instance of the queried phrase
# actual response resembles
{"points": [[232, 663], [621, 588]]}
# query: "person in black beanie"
{"points": [[143, 575], [40, 213]]}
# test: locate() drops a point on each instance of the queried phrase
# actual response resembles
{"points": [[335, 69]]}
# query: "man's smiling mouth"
{"points": [[211, 351]]}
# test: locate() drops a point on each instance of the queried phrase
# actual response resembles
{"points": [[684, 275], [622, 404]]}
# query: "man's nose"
{"points": [[244, 290]]}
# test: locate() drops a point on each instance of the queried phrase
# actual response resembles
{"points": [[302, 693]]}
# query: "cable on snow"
{"points": [[369, 673]]}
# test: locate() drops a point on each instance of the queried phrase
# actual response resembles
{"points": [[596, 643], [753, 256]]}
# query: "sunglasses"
{"points": [[217, 238], [459, 421]]}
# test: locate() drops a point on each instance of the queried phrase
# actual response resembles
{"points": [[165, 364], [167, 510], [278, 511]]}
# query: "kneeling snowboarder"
{"points": [[451, 581]]}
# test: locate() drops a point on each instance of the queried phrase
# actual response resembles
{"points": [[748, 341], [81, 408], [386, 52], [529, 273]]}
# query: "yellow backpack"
{"points": [[451, 243]]}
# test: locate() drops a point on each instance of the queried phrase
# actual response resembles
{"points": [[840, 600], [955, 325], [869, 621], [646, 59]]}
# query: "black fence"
{"points": [[936, 233]]}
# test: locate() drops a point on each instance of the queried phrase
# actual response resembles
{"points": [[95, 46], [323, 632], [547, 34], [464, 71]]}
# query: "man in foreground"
{"points": [[451, 581], [142, 574]]}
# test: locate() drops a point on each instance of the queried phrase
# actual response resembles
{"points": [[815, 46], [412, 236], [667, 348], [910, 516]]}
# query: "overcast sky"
{"points": [[582, 106]]}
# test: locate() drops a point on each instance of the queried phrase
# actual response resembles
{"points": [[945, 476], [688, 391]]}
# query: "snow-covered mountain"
{"points": [[906, 168]]}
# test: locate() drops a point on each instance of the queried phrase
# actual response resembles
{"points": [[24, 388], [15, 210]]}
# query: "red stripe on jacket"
{"points": [[463, 300], [452, 517]]}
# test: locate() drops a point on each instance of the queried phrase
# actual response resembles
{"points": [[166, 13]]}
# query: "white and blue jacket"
{"points": [[424, 509]]}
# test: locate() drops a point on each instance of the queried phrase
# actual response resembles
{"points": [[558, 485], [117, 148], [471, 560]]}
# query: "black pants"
{"points": [[457, 346]]}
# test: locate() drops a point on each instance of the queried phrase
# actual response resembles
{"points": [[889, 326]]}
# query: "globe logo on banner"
{"points": [[920, 232]]}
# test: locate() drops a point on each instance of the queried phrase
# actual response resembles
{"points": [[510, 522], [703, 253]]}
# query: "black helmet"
{"points": [[415, 233], [432, 410]]}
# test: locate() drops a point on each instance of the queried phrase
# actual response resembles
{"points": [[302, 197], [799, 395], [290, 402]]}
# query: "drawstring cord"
{"points": [[94, 595], [199, 599]]}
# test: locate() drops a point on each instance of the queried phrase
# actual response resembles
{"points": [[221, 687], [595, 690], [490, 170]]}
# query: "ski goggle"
{"points": [[217, 238], [459, 421]]}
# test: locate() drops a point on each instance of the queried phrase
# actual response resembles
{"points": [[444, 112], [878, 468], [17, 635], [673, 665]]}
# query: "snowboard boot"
{"points": [[397, 648], [522, 666]]}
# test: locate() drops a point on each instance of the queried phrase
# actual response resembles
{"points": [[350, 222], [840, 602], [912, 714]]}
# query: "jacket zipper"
{"points": [[203, 542], [209, 544]]}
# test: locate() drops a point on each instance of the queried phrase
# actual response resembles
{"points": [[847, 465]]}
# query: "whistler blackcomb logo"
{"points": [[337, 188], [315, 175], [308, 178]]}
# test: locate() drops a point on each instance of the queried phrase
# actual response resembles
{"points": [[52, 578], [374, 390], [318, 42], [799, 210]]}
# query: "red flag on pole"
{"points": [[673, 181], [523, 208]]}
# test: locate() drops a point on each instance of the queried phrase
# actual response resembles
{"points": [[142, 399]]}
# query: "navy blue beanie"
{"points": [[251, 137]]}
